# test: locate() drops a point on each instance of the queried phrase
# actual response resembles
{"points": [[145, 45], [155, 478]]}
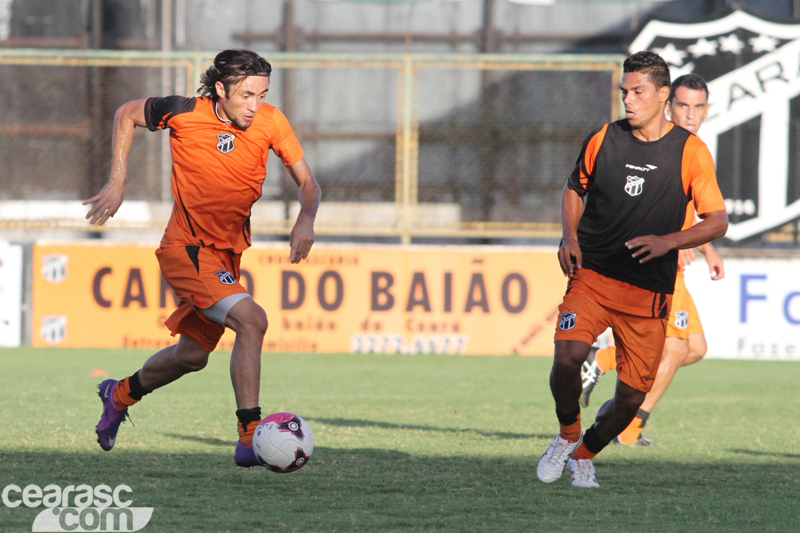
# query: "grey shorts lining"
{"points": [[219, 311]]}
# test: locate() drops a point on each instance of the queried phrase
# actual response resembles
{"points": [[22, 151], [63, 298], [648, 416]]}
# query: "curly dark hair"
{"points": [[690, 81], [651, 64], [229, 67]]}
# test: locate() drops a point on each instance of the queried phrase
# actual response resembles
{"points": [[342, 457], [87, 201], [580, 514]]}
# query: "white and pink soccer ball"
{"points": [[283, 442]]}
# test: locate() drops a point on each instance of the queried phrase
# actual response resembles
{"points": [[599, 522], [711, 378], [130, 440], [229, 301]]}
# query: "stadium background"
{"points": [[428, 125]]}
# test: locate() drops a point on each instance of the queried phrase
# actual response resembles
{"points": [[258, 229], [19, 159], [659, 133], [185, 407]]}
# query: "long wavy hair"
{"points": [[229, 67]]}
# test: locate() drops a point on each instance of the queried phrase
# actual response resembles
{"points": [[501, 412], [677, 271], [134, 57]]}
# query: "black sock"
{"points": [[592, 441], [567, 419], [246, 416], [137, 391]]}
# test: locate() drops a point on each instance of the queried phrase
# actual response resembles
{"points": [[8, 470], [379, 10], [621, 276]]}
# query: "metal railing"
{"points": [[464, 132]]}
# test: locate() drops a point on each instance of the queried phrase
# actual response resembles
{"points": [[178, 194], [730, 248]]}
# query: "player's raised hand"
{"points": [[648, 247], [106, 202], [569, 256], [301, 239]]}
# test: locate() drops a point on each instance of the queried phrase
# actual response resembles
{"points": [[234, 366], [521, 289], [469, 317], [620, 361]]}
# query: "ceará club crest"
{"points": [[752, 67], [225, 142]]}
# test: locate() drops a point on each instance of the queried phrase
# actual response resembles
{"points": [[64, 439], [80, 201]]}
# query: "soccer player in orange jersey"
{"points": [[219, 143], [686, 342], [622, 213]]}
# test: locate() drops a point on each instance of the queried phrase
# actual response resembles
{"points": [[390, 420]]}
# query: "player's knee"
{"points": [[628, 399], [570, 355], [192, 362], [697, 348], [256, 322], [675, 352]]}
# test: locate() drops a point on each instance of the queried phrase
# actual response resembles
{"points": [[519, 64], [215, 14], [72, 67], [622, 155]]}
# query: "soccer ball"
{"points": [[283, 442]]}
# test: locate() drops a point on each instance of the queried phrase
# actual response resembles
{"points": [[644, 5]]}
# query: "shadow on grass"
{"points": [[348, 422], [389, 490], [767, 454], [211, 441]]}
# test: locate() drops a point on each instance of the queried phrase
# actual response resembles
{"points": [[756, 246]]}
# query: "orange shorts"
{"points": [[200, 277], [639, 339], [684, 320]]}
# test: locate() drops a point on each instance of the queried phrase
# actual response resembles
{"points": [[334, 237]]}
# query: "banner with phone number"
{"points": [[360, 299]]}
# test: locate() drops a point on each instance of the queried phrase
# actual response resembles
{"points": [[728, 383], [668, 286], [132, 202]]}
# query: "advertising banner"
{"points": [[361, 299], [10, 294], [754, 312]]}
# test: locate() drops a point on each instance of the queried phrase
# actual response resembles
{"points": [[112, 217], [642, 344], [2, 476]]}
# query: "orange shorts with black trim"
{"points": [[639, 339], [684, 320], [200, 277]]}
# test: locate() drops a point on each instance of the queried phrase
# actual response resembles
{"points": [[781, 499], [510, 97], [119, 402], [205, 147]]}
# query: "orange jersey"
{"points": [[217, 169]]}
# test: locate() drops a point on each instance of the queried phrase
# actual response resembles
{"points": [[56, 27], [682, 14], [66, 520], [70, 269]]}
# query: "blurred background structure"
{"points": [[424, 121]]}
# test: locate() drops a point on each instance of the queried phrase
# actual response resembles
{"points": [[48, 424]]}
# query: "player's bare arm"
{"points": [[302, 237], [107, 201], [569, 252], [647, 247]]}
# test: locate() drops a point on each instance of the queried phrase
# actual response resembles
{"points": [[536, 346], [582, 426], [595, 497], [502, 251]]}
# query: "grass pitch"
{"points": [[426, 443]]}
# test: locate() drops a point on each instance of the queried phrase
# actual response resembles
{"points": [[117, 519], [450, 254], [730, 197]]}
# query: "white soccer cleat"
{"points": [[582, 473], [554, 459], [590, 375]]}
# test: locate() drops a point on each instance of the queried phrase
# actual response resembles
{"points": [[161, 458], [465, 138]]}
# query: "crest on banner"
{"points": [[752, 67]]}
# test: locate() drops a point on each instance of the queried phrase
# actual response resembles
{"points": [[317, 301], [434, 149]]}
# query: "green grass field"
{"points": [[426, 443]]}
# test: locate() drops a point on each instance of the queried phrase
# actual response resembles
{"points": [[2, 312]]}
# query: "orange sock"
{"points": [[246, 434], [630, 434], [582, 452], [122, 395], [572, 432], [606, 359]]}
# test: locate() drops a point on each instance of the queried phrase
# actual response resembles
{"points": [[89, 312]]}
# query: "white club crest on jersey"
{"points": [[225, 277], [634, 185], [225, 142], [567, 321], [681, 319]]}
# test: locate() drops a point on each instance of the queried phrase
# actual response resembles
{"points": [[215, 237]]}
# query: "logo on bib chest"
{"points": [[634, 185], [225, 142]]}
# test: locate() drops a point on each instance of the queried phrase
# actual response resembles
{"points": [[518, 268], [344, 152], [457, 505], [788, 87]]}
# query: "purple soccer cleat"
{"points": [[245, 456], [110, 420]]}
